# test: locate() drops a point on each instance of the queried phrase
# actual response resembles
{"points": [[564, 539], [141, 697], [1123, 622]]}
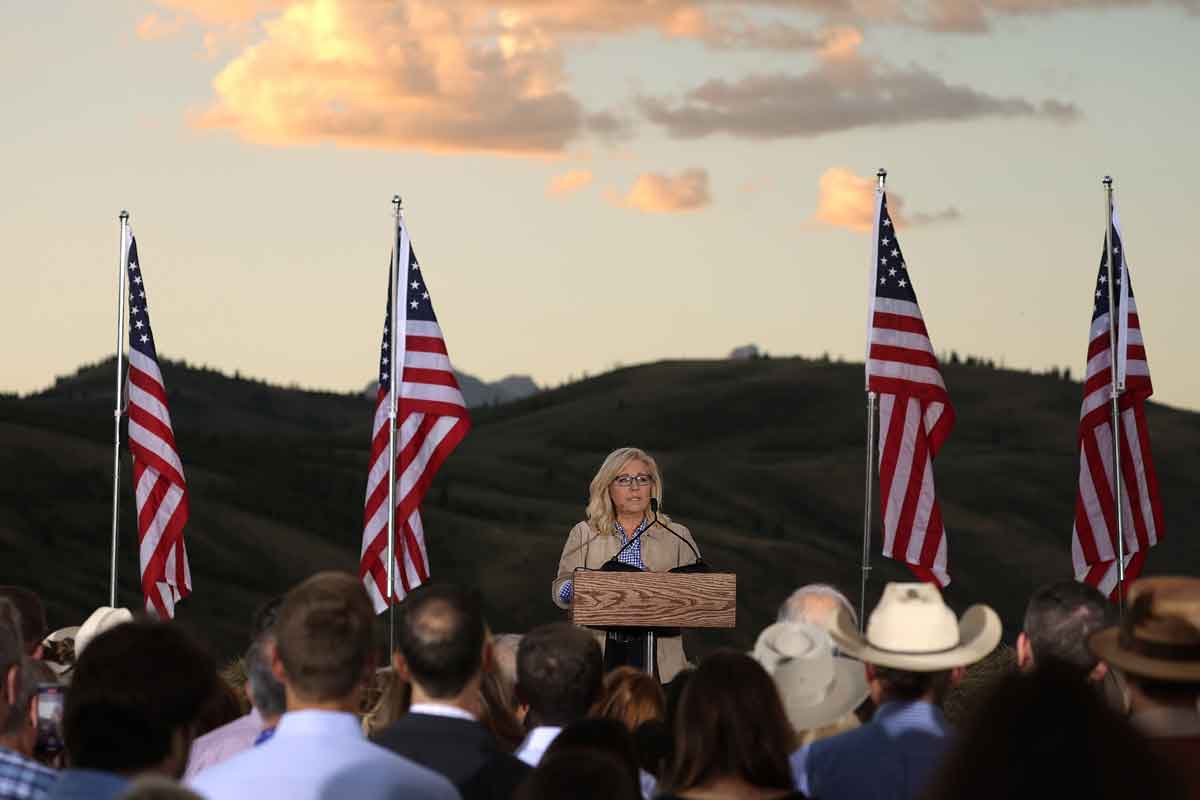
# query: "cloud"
{"points": [[569, 182], [400, 76], [655, 193], [844, 91], [223, 12], [153, 27], [846, 200]]}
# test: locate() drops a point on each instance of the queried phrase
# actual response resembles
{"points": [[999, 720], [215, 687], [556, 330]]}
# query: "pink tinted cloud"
{"points": [[153, 27], [846, 200], [569, 182], [656, 193]]}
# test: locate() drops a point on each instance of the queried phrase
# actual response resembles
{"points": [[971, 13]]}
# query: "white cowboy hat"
{"points": [[817, 687], [913, 629], [102, 619]]}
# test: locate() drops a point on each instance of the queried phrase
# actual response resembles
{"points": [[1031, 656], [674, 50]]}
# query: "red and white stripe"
{"points": [[1094, 536], [431, 420], [159, 488]]}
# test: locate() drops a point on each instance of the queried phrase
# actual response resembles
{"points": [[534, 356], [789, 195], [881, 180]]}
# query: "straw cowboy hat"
{"points": [[817, 687], [1160, 635], [102, 619], [913, 629]]}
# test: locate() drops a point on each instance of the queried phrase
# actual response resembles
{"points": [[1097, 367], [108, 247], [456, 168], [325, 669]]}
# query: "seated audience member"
{"points": [[1058, 621], [444, 651], [732, 737], [1044, 733], [135, 696], [323, 658], [817, 604], [386, 700], [819, 690], [1157, 647], [631, 697], [914, 650], [559, 676], [21, 778], [266, 699], [600, 735], [497, 715], [579, 775], [504, 668], [32, 616]]}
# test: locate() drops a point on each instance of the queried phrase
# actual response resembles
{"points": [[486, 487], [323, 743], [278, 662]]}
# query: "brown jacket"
{"points": [[660, 551]]}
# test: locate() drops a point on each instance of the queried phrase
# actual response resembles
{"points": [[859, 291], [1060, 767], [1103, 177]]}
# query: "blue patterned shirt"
{"points": [[23, 779], [632, 556]]}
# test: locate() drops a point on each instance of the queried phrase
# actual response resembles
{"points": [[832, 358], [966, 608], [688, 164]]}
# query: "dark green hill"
{"points": [[763, 460]]}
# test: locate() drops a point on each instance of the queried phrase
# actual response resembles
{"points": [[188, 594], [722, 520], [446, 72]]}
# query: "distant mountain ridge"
{"points": [[477, 392], [762, 460]]}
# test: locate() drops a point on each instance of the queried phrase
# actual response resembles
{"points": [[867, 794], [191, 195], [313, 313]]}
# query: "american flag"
{"points": [[431, 420], [915, 415], [159, 486], [1094, 538]]}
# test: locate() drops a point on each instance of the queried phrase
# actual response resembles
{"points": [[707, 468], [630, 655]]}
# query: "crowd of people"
{"points": [[1096, 704]]}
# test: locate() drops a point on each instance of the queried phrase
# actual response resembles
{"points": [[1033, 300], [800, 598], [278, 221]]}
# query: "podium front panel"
{"points": [[654, 599]]}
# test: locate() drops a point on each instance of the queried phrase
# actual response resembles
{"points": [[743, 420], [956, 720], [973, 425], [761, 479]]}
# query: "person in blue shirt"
{"points": [[914, 650]]}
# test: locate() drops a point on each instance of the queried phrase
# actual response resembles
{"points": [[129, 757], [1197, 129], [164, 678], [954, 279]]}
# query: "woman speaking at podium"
{"points": [[621, 523]]}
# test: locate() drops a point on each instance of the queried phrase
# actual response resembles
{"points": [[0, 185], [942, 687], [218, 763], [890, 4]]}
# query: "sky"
{"points": [[592, 183]]}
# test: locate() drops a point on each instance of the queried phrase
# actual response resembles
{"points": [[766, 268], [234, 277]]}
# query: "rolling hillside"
{"points": [[763, 460]]}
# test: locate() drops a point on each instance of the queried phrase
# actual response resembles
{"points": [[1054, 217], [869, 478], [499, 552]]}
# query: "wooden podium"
{"points": [[653, 600]]}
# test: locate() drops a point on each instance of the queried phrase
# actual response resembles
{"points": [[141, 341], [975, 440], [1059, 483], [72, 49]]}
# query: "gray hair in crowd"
{"points": [[797, 608], [266, 692]]}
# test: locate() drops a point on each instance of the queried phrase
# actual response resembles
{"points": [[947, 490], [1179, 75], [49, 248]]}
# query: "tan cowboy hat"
{"points": [[913, 629], [102, 619], [1160, 635], [817, 687]]}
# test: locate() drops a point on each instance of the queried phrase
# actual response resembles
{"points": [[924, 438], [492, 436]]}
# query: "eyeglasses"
{"points": [[629, 481]]}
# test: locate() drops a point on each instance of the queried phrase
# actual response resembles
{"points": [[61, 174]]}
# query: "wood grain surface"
{"points": [[654, 599]]}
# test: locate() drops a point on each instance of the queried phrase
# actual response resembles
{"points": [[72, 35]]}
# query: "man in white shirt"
{"points": [[323, 657], [560, 671]]}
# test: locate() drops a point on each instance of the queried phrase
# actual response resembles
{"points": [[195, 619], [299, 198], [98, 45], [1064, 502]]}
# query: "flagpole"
{"points": [[1116, 387], [117, 412], [881, 178], [396, 374]]}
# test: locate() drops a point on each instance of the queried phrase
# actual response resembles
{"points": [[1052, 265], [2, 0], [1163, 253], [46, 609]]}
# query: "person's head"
{"points": [[559, 673], [12, 651], [323, 642], [442, 640], [623, 486], [32, 615], [264, 690], [731, 725], [578, 775], [1156, 646], [604, 735], [387, 699], [631, 697], [1034, 724], [819, 690], [498, 712], [19, 731], [1058, 621], [816, 604], [134, 699], [504, 664], [914, 646]]}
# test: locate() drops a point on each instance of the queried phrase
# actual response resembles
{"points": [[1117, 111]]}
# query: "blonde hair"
{"points": [[631, 697], [601, 514]]}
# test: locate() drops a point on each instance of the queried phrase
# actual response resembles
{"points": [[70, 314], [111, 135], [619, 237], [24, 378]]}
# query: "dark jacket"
{"points": [[462, 750]]}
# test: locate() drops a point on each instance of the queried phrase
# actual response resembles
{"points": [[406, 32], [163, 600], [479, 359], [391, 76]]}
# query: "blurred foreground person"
{"points": [[732, 737], [134, 700], [559, 676], [1045, 734], [443, 648], [1157, 647], [914, 650], [267, 700], [579, 775], [323, 657], [819, 690], [599, 736], [21, 778]]}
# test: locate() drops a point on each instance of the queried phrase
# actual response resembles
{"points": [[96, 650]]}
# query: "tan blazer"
{"points": [[660, 551]]}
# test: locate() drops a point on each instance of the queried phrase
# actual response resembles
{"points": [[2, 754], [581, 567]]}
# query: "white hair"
{"points": [[795, 608]]}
